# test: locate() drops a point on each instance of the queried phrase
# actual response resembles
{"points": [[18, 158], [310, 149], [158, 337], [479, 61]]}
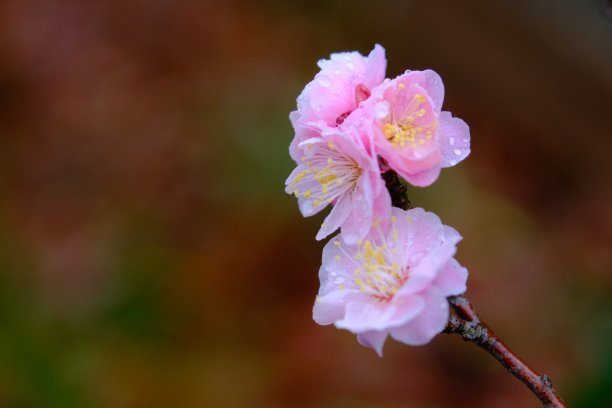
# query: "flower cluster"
{"points": [[389, 270]]}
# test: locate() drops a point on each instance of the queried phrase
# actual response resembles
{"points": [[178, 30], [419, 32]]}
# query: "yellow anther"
{"points": [[307, 194], [393, 218], [337, 243], [401, 86], [300, 176], [337, 257]]}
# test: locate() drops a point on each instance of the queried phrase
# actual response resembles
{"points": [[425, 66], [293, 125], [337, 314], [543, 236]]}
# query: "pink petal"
{"points": [[330, 308], [454, 139], [359, 221], [333, 296], [373, 339], [337, 257], [419, 232], [370, 314], [376, 67], [424, 178], [338, 215], [427, 324], [451, 279], [431, 82]]}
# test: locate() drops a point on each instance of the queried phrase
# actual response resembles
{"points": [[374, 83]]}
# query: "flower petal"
{"points": [[451, 279], [427, 324], [370, 314], [337, 216], [423, 178], [374, 339], [431, 82], [454, 139]]}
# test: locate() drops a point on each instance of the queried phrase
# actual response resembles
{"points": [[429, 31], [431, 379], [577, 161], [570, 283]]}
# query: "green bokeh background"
{"points": [[150, 258]]}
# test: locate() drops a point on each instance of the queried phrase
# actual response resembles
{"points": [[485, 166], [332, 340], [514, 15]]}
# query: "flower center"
{"points": [[328, 174], [414, 127], [378, 274]]}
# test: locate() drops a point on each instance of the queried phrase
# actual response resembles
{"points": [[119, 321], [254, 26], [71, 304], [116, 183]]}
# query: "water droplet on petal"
{"points": [[315, 105], [324, 81], [453, 162], [466, 139], [337, 72], [451, 141], [457, 152], [339, 280], [414, 258], [350, 65]]}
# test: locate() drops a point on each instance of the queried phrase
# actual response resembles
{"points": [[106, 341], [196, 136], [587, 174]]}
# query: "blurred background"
{"points": [[150, 258]]}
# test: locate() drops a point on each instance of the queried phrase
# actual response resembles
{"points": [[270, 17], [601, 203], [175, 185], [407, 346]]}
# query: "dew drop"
{"points": [[453, 162], [315, 105], [350, 65], [457, 152], [339, 280], [451, 141], [337, 72], [324, 81], [466, 139]]}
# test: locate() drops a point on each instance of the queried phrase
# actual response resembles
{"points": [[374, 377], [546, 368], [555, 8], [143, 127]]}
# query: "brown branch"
{"points": [[469, 325], [397, 190]]}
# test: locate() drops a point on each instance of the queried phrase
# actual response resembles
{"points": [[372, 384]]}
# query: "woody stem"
{"points": [[469, 325]]}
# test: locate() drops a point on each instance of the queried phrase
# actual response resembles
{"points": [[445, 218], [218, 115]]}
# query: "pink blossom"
{"points": [[394, 282], [344, 81], [337, 168], [411, 132]]}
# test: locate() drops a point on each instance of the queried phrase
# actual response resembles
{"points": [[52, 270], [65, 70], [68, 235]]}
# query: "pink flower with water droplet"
{"points": [[394, 282], [344, 81], [411, 132], [338, 168]]}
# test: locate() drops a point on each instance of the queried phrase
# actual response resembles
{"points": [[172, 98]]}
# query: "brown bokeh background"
{"points": [[150, 258]]}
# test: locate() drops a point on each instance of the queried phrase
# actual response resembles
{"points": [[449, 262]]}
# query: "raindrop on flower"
{"points": [[339, 280], [324, 81]]}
